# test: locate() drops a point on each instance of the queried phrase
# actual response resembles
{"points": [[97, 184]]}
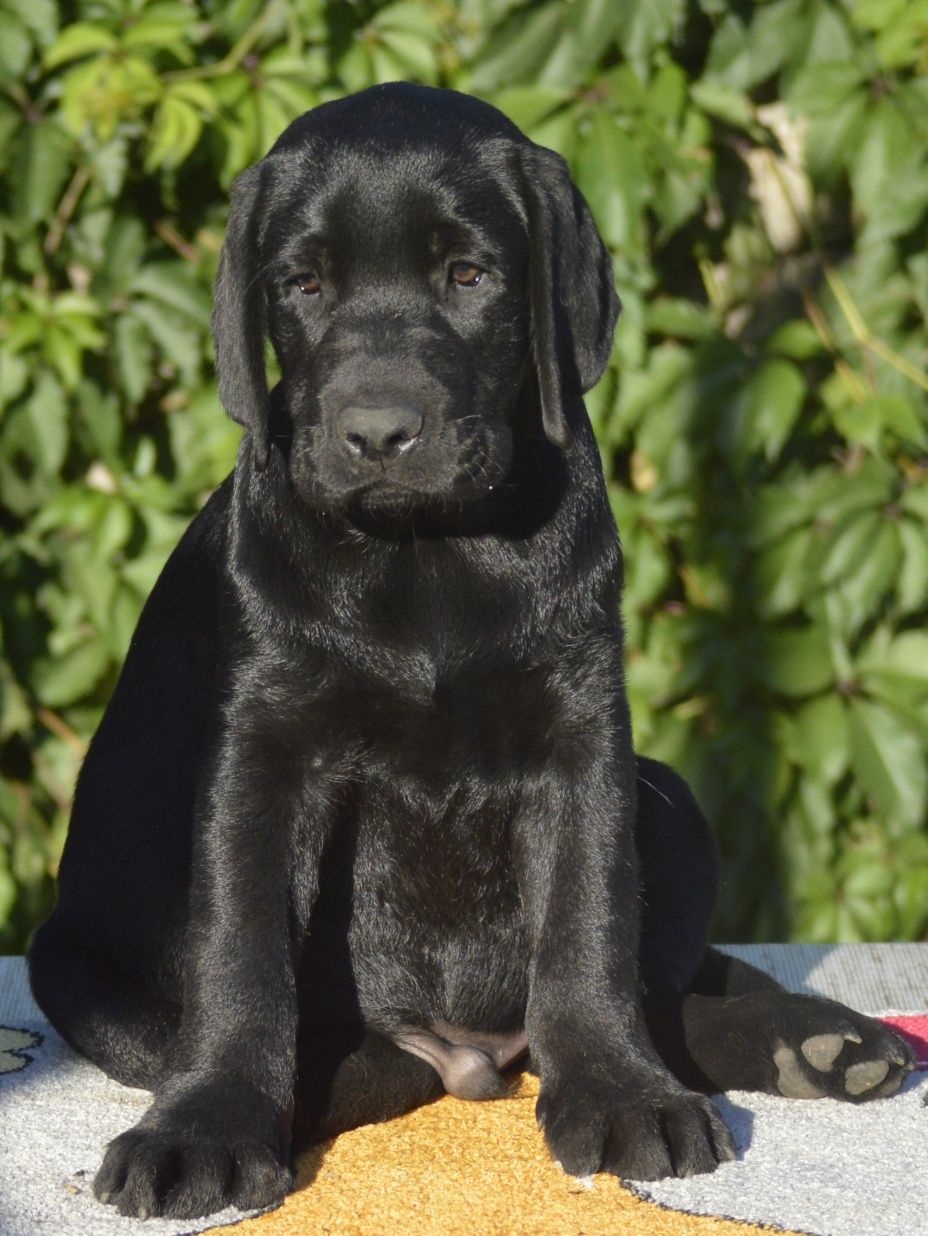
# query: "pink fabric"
{"points": [[915, 1032]]}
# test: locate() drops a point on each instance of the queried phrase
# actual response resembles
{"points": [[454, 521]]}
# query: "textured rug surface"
{"points": [[822, 1167]]}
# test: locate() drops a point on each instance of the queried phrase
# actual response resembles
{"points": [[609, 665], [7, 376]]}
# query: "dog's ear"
{"points": [[573, 301], [240, 317]]}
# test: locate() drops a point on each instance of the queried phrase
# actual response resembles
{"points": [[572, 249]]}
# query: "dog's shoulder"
{"points": [[182, 610]]}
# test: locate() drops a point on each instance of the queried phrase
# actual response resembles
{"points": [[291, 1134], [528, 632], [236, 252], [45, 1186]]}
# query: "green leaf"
{"points": [[77, 40], [848, 545], [905, 656], [679, 318], [724, 103], [915, 500], [867, 585], [64, 680], [15, 50], [729, 62], [520, 50], [613, 179], [821, 739], [14, 374], [42, 168], [644, 25], [859, 422], [111, 530], [175, 132], [780, 573], [63, 353], [912, 587], [134, 355], [40, 17], [776, 394], [408, 17], [529, 105], [47, 412], [414, 53], [797, 339], [173, 336], [888, 762], [796, 662], [15, 714], [162, 33]]}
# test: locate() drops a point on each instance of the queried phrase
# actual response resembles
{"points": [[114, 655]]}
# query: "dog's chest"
{"points": [[430, 730]]}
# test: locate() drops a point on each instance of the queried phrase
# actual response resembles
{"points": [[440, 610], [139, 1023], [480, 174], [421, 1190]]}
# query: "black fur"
{"points": [[366, 785]]}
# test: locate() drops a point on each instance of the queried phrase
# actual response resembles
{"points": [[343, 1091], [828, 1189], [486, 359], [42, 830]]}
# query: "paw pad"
{"points": [[822, 1050], [864, 1076], [851, 1060], [792, 1082]]}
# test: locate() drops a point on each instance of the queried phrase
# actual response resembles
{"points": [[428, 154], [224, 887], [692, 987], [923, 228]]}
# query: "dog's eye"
{"points": [[465, 274], [309, 285]]}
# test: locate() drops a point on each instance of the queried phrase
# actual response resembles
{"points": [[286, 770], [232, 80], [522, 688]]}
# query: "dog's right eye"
{"points": [[309, 285], [465, 274]]}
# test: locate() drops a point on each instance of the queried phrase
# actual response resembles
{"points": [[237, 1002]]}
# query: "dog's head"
{"points": [[418, 265]]}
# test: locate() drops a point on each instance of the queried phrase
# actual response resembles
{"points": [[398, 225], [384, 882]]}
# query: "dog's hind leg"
{"points": [[717, 1022], [352, 1077], [100, 1010], [678, 879]]}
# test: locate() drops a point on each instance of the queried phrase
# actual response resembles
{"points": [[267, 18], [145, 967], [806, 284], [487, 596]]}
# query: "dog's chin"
{"points": [[388, 507]]}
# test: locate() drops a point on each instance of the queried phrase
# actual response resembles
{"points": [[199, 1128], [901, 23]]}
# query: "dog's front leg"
{"points": [[607, 1103], [218, 1130]]}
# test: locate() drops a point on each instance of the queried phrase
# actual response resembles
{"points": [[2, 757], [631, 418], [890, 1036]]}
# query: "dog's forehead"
{"points": [[395, 157], [395, 188]]}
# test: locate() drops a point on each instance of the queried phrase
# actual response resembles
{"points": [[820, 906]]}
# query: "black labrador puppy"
{"points": [[363, 822]]}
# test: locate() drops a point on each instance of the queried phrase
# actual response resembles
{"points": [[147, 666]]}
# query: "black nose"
{"points": [[378, 433]]}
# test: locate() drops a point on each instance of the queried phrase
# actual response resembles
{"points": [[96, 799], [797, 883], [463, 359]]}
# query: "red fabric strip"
{"points": [[915, 1032]]}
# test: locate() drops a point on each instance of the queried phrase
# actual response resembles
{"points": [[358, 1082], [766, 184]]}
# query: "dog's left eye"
{"points": [[465, 274], [309, 284]]}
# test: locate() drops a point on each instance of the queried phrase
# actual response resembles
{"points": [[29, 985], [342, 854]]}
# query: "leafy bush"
{"points": [[760, 174]]}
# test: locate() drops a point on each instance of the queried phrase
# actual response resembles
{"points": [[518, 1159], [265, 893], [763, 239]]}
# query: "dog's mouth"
{"points": [[390, 506], [388, 493]]}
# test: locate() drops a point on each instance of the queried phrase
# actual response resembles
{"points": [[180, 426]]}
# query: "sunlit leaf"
{"points": [[889, 762]]}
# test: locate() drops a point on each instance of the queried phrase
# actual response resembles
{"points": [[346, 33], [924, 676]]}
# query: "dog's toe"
{"points": [[822, 1050], [859, 1078]]}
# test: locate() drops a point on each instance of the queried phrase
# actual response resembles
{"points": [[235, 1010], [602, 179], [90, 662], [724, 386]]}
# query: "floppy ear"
{"points": [[573, 301], [240, 317]]}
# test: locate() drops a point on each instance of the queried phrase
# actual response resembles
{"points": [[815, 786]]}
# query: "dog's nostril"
{"points": [[378, 433], [399, 441]]}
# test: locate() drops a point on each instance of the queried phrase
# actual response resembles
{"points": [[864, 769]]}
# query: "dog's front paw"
{"points": [[823, 1048], [644, 1129], [181, 1161]]}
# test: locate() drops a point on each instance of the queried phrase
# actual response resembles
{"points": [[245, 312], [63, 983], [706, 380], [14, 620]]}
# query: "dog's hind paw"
{"points": [[846, 1056]]}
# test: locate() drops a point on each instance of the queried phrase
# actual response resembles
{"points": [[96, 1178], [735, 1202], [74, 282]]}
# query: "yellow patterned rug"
{"points": [[463, 1169]]}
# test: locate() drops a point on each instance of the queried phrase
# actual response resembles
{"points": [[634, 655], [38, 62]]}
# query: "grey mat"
{"points": [[867, 977], [821, 1167], [825, 1167], [56, 1115]]}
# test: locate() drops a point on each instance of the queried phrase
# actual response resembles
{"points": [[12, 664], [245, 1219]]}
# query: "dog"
{"points": [[362, 823]]}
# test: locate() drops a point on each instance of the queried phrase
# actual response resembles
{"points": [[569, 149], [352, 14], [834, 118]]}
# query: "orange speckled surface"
{"points": [[457, 1169]]}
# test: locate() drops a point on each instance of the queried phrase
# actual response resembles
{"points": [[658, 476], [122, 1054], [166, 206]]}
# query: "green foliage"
{"points": [[760, 174]]}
